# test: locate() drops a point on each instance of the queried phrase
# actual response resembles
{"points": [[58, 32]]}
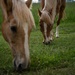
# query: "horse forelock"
{"points": [[22, 13], [46, 17]]}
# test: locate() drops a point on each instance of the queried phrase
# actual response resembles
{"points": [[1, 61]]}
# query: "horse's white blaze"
{"points": [[26, 46], [57, 31], [45, 5], [45, 29], [45, 32]]}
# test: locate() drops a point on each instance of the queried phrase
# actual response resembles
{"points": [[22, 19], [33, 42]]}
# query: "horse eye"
{"points": [[14, 28]]}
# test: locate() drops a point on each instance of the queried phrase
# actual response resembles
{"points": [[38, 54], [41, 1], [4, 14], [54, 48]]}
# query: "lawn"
{"points": [[58, 58]]}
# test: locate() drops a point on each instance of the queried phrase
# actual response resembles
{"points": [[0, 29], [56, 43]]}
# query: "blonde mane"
{"points": [[22, 13]]}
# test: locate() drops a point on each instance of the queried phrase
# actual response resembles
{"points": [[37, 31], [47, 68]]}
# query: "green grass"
{"points": [[58, 58]]}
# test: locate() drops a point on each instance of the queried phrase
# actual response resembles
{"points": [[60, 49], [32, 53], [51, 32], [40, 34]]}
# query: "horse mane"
{"points": [[29, 3], [42, 3], [48, 4], [22, 13]]}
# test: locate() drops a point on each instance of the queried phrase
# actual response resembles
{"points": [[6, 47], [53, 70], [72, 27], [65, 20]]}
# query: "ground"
{"points": [[58, 58]]}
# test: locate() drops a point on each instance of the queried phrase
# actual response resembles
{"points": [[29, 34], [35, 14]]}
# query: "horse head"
{"points": [[46, 26], [16, 30]]}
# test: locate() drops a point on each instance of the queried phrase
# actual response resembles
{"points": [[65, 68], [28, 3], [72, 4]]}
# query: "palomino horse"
{"points": [[17, 25], [50, 8]]}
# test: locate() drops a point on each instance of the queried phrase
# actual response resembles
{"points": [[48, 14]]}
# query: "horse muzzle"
{"points": [[20, 66], [47, 43]]}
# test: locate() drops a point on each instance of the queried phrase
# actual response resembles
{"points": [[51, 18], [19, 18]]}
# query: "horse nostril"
{"points": [[20, 67], [48, 42], [44, 42]]}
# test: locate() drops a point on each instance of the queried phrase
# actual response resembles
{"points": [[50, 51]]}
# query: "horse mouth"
{"points": [[47, 43]]}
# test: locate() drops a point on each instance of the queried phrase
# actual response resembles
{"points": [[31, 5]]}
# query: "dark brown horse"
{"points": [[16, 28], [50, 9]]}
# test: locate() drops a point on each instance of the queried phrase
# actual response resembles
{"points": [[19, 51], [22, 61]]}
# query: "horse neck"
{"points": [[49, 4]]}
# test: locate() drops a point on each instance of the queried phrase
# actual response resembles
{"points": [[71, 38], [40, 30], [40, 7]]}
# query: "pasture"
{"points": [[58, 58]]}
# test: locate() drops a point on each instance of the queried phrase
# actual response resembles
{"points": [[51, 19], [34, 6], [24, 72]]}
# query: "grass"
{"points": [[58, 58]]}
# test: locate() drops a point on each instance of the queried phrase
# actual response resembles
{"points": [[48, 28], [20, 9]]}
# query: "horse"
{"points": [[50, 9], [17, 25]]}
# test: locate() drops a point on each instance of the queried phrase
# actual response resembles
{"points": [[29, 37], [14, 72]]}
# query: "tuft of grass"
{"points": [[58, 58]]}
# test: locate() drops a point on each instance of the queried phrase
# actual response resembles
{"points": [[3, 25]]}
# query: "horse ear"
{"points": [[39, 12], [14, 29], [28, 3], [4, 9]]}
